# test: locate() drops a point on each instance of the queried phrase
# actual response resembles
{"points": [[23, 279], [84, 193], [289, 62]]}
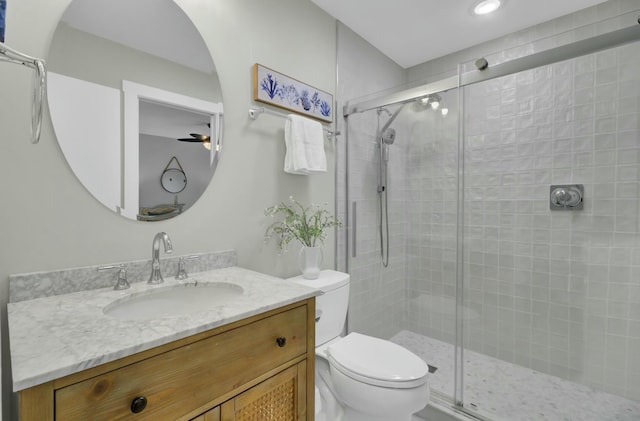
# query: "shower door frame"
{"points": [[576, 49], [580, 48]]}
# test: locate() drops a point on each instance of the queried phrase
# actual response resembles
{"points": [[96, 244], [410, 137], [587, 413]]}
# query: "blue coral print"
{"points": [[290, 94], [325, 109], [270, 86], [280, 90], [3, 16], [315, 101], [305, 101]]}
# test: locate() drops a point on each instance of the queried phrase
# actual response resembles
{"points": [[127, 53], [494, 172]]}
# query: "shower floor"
{"points": [[505, 391]]}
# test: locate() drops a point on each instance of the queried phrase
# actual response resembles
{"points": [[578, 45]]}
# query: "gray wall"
{"points": [[50, 222]]}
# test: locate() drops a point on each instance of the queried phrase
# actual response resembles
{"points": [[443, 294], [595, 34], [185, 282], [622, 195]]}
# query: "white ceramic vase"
{"points": [[310, 259]]}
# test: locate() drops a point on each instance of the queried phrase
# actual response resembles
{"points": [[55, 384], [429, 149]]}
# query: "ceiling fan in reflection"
{"points": [[198, 138]]}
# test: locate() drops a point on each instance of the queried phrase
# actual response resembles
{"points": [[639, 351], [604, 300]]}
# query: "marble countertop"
{"points": [[52, 337]]}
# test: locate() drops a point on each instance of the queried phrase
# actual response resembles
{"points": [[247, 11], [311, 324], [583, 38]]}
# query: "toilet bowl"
{"points": [[359, 377]]}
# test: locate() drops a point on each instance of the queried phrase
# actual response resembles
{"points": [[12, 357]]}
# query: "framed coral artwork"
{"points": [[3, 18], [282, 91]]}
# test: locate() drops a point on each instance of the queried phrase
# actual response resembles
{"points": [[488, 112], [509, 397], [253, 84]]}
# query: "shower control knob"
{"points": [[567, 197], [561, 196], [138, 404], [282, 341]]}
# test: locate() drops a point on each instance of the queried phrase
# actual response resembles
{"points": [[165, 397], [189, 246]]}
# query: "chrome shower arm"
{"points": [[393, 117]]}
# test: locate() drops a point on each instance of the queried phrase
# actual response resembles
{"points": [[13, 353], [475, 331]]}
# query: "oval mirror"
{"points": [[131, 84]]}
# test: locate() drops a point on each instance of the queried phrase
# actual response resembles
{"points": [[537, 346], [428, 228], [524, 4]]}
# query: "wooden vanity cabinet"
{"points": [[211, 415], [259, 368], [280, 397]]}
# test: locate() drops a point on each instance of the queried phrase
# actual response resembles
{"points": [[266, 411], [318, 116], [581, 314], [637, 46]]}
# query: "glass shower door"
{"points": [[377, 292], [552, 296], [411, 301]]}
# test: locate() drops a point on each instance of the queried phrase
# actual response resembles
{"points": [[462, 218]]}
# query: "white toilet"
{"points": [[359, 377]]}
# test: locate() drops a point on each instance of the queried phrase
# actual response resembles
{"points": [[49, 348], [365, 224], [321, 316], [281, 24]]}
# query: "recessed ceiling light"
{"points": [[486, 6]]}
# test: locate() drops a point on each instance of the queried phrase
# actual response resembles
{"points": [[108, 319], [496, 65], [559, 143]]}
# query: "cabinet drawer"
{"points": [[190, 376]]}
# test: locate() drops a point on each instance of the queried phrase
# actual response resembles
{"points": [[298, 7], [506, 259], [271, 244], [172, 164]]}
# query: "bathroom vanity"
{"points": [[251, 358]]}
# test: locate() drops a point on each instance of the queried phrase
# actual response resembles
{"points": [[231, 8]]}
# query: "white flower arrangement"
{"points": [[305, 224]]}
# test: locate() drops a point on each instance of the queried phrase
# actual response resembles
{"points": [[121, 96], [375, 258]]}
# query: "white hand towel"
{"points": [[304, 141]]}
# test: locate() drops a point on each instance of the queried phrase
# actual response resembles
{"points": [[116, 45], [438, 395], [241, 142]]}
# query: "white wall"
{"points": [[49, 221]]}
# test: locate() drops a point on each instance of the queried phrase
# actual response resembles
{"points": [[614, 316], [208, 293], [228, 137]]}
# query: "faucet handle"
{"points": [[182, 267], [122, 275]]}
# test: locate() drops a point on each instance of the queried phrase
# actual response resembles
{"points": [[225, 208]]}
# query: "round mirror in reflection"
{"points": [[173, 180], [131, 85]]}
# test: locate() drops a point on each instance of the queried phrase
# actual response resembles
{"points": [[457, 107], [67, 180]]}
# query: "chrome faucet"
{"points": [[156, 276]]}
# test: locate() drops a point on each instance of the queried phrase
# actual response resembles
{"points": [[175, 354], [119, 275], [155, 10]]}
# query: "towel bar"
{"points": [[10, 55], [254, 113]]}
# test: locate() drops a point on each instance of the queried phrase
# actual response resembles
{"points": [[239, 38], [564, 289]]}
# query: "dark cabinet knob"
{"points": [[138, 404], [282, 341]]}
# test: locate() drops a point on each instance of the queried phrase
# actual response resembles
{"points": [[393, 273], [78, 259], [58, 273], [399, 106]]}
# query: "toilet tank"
{"points": [[332, 305]]}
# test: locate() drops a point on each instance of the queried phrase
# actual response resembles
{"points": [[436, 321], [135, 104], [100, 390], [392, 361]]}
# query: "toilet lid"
{"points": [[377, 362]]}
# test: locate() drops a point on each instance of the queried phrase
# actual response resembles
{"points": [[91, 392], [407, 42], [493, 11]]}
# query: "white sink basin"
{"points": [[173, 300]]}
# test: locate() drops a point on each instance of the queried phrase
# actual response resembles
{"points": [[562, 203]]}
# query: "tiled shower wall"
{"points": [[432, 207], [377, 296], [555, 291], [378, 293]]}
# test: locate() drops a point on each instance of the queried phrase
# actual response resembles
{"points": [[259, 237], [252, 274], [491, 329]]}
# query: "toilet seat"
{"points": [[377, 362]]}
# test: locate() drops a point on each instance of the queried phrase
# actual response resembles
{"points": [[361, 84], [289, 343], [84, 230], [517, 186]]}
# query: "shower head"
{"points": [[389, 136]]}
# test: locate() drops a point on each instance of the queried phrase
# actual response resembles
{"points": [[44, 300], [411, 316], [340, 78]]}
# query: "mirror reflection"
{"points": [[132, 85]]}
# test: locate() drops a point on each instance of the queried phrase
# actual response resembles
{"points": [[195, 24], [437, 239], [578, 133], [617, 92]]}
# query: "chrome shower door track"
{"points": [[565, 52]]}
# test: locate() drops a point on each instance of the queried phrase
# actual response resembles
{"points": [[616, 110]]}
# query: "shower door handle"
{"points": [[354, 224]]}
